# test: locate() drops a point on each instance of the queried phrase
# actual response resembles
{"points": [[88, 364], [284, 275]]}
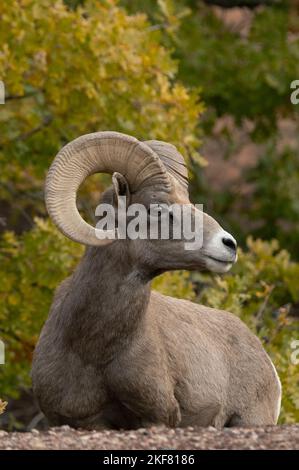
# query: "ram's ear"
{"points": [[120, 188]]}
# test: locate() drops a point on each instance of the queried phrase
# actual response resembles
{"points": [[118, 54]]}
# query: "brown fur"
{"points": [[115, 354]]}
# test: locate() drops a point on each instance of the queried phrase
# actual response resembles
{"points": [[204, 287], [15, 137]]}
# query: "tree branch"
{"points": [[46, 122], [21, 97]]}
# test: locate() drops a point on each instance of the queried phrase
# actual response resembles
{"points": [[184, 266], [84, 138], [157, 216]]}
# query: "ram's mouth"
{"points": [[219, 265], [223, 261]]}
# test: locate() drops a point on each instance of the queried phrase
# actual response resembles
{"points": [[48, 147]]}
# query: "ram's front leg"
{"points": [[150, 397], [154, 405]]}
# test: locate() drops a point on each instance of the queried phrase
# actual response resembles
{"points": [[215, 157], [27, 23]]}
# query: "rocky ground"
{"points": [[160, 438]]}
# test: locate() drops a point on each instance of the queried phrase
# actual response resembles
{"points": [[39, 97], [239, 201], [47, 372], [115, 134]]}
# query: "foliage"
{"points": [[245, 74], [72, 71], [247, 77], [175, 284], [274, 203], [262, 290], [2, 406]]}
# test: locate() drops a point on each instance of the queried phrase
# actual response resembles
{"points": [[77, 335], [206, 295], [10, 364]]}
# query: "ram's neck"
{"points": [[106, 304]]}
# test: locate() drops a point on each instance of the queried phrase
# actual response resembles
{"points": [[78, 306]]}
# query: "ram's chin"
{"points": [[217, 266]]}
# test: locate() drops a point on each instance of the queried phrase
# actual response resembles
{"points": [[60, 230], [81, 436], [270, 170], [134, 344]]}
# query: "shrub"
{"points": [[2, 406], [72, 71]]}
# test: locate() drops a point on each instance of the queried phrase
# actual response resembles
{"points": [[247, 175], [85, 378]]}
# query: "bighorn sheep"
{"points": [[115, 354]]}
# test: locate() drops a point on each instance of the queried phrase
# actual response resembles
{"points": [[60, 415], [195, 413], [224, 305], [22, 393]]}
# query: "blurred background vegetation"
{"points": [[213, 78]]}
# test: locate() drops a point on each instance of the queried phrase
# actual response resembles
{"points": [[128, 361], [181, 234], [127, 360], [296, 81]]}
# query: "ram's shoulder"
{"points": [[185, 309], [165, 302]]}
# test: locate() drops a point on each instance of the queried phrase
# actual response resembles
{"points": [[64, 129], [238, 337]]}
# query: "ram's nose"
{"points": [[222, 247], [230, 242]]}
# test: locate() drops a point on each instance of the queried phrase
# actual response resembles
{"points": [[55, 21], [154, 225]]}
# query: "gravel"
{"points": [[155, 438]]}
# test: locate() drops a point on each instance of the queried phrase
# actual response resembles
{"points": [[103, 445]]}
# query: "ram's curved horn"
{"points": [[172, 159], [99, 152]]}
